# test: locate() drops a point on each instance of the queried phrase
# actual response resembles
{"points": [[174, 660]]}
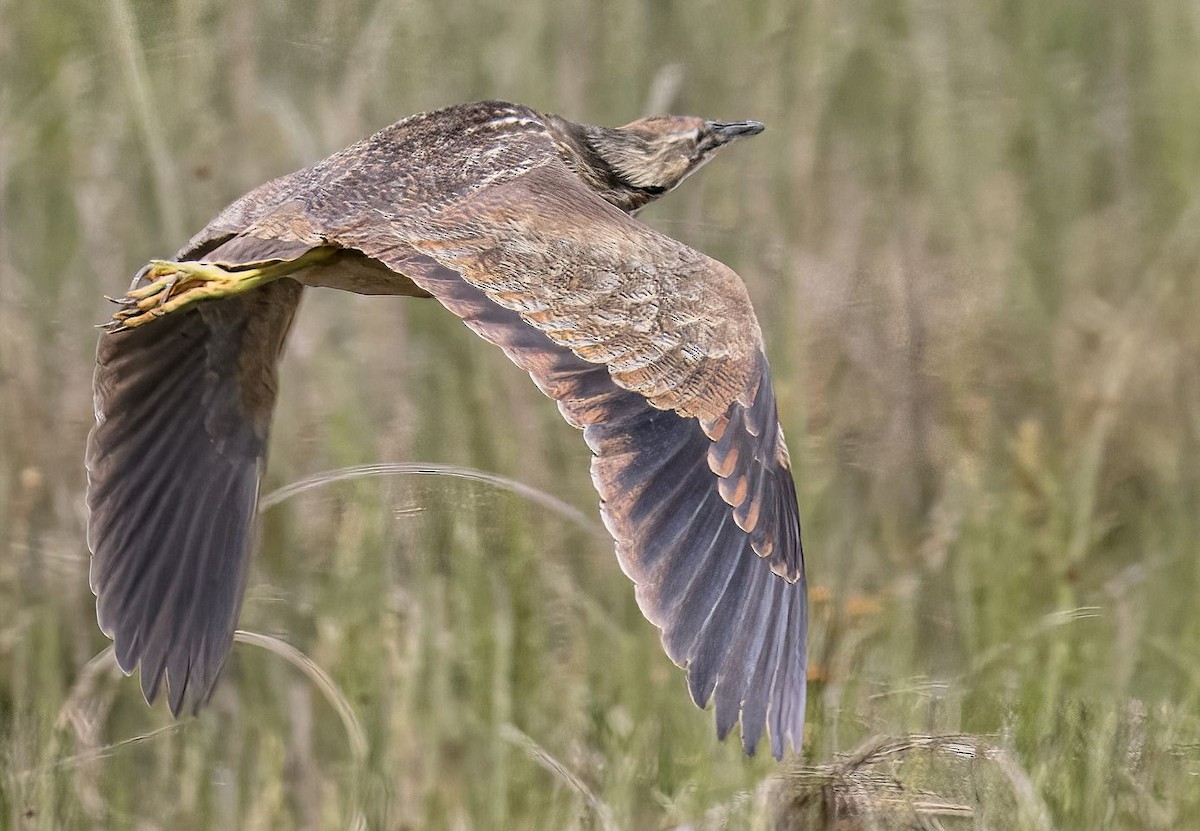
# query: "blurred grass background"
{"points": [[971, 231]]}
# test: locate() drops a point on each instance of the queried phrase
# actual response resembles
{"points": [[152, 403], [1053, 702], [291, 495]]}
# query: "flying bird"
{"points": [[521, 224]]}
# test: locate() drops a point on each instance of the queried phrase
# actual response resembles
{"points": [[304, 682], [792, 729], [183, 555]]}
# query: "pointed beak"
{"points": [[724, 132]]}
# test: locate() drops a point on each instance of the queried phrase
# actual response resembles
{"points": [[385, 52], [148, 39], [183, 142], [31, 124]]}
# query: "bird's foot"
{"points": [[163, 286]]}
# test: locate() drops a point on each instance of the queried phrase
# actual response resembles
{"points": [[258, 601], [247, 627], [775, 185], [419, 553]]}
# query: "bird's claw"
{"points": [[113, 326]]}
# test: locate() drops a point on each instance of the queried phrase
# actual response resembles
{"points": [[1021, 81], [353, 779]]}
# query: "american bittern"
{"points": [[521, 224]]}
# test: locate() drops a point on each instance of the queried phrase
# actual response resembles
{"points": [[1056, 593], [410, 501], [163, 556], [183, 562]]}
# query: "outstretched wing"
{"points": [[653, 350], [182, 414]]}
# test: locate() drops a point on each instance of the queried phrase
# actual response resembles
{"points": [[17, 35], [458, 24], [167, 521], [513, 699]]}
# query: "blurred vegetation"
{"points": [[971, 231]]}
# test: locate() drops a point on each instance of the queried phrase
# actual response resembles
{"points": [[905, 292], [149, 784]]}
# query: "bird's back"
{"points": [[434, 158], [419, 164]]}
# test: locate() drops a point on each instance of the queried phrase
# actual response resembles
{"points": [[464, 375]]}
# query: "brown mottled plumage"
{"points": [[520, 224]]}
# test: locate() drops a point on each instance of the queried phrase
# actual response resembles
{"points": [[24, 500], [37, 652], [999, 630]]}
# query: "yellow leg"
{"points": [[177, 285]]}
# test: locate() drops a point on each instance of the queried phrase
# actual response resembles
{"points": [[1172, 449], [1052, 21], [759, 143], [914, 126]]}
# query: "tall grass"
{"points": [[971, 231]]}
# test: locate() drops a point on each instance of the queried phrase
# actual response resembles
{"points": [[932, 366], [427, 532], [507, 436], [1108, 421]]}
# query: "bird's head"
{"points": [[652, 155]]}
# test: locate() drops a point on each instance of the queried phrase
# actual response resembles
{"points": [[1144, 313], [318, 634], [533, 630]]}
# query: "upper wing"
{"points": [[669, 323], [182, 415], [652, 349]]}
